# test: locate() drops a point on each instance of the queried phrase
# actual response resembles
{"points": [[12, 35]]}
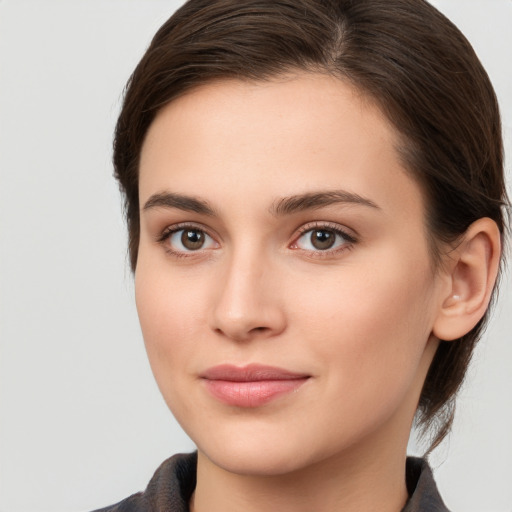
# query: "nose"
{"points": [[247, 301]]}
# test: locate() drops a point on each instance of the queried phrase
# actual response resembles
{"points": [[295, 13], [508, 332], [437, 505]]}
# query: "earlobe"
{"points": [[472, 274]]}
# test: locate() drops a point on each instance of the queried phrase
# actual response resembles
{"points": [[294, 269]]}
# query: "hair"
{"points": [[404, 55]]}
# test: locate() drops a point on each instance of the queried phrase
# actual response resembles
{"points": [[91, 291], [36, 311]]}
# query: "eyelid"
{"points": [[168, 231], [348, 234]]}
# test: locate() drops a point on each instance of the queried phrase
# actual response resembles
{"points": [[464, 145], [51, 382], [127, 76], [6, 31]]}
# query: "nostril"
{"points": [[260, 329], [242, 334]]}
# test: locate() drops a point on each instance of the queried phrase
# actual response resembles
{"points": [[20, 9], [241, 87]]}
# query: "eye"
{"points": [[187, 239], [323, 238]]}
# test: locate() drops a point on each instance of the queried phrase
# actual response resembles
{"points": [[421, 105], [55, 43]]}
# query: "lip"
{"points": [[253, 385]]}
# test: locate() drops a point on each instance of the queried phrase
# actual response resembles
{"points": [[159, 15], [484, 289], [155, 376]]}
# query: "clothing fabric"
{"points": [[174, 482]]}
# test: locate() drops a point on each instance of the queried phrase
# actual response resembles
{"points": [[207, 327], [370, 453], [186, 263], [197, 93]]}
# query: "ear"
{"points": [[471, 270]]}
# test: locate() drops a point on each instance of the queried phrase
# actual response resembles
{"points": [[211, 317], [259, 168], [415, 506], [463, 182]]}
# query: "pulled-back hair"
{"points": [[404, 54]]}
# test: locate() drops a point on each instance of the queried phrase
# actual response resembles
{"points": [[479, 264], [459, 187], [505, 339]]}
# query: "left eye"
{"points": [[190, 239], [322, 239]]}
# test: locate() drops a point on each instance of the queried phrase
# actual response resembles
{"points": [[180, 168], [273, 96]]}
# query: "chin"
{"points": [[267, 452], [255, 460]]}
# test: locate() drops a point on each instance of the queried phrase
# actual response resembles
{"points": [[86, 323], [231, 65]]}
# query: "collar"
{"points": [[422, 489], [174, 481]]}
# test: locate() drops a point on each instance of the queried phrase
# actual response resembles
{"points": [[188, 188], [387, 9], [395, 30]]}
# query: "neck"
{"points": [[357, 481]]}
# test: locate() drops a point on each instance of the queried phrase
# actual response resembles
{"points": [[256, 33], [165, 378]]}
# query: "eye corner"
{"points": [[331, 239], [186, 240]]}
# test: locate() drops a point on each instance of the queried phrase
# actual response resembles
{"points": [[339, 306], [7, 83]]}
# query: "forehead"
{"points": [[284, 136]]}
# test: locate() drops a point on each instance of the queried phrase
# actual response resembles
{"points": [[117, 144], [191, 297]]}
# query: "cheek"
{"points": [[169, 318], [371, 325], [391, 298]]}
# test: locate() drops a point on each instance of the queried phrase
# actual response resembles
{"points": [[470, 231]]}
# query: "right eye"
{"points": [[187, 239]]}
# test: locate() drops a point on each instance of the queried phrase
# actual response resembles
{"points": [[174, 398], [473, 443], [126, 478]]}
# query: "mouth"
{"points": [[252, 385]]}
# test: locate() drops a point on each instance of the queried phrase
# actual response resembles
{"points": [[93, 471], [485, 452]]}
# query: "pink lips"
{"points": [[250, 386]]}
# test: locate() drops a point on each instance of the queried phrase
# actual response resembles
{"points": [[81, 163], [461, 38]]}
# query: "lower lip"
{"points": [[253, 393]]}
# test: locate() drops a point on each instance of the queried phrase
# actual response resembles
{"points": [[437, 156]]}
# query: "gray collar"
{"points": [[423, 493], [174, 481]]}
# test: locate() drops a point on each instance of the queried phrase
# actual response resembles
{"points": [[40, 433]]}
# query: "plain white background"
{"points": [[82, 424]]}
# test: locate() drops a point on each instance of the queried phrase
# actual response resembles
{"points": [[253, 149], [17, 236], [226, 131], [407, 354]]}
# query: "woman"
{"points": [[315, 200]]}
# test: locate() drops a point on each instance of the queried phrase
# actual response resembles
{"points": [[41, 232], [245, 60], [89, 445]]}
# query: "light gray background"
{"points": [[82, 423]]}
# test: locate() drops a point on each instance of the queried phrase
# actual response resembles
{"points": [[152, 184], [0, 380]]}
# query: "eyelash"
{"points": [[350, 240], [164, 237]]}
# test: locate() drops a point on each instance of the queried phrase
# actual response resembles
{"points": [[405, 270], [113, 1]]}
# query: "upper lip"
{"points": [[250, 373]]}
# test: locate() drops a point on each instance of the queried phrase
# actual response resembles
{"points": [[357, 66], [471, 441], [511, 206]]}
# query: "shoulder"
{"points": [[169, 489]]}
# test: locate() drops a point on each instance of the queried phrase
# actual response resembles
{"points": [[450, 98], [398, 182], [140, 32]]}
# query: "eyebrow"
{"points": [[179, 201], [315, 200], [281, 207]]}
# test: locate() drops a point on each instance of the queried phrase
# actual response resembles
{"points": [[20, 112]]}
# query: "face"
{"points": [[283, 284]]}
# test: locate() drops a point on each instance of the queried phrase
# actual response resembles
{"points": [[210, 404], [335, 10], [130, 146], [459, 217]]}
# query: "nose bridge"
{"points": [[246, 304]]}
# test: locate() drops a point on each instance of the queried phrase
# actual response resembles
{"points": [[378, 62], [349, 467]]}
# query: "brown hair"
{"points": [[404, 54]]}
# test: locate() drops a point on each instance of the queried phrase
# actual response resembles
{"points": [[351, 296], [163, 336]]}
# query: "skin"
{"points": [[358, 319]]}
